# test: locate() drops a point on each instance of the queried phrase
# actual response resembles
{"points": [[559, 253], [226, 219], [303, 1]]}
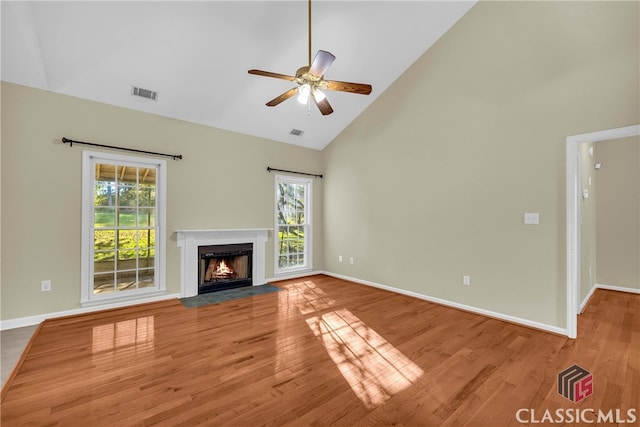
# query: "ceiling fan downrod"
{"points": [[310, 79], [309, 38]]}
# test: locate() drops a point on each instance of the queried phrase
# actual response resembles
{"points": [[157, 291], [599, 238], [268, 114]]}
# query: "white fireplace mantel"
{"points": [[190, 240]]}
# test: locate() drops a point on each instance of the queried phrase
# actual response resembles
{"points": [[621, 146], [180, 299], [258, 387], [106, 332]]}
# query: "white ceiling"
{"points": [[196, 54]]}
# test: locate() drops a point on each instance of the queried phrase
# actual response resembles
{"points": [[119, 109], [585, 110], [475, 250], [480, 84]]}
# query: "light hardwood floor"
{"points": [[321, 351]]}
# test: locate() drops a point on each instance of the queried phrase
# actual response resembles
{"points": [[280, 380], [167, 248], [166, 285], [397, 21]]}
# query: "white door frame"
{"points": [[573, 215]]}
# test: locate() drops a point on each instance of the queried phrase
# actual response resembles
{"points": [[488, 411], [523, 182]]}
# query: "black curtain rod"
{"points": [[269, 169], [71, 142]]}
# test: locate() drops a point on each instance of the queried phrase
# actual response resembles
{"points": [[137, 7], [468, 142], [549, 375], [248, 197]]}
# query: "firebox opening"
{"points": [[224, 267]]}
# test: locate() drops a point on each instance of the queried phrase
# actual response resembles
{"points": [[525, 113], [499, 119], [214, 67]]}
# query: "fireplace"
{"points": [[223, 267], [190, 241]]}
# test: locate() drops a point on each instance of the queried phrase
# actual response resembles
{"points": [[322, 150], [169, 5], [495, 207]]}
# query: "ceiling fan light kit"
{"points": [[311, 82], [303, 93]]}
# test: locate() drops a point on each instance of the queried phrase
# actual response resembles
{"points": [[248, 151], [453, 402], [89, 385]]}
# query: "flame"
{"points": [[223, 268]]}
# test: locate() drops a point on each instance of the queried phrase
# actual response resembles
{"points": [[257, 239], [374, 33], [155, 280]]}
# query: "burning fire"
{"points": [[223, 270], [219, 269]]}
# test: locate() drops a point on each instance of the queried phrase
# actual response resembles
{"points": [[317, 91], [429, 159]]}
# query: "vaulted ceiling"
{"points": [[196, 55]]}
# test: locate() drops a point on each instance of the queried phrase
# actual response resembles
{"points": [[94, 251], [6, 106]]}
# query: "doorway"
{"points": [[573, 215]]}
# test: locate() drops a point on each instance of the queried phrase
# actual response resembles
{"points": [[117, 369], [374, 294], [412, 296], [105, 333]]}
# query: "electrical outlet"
{"points": [[351, 260], [466, 280], [339, 258], [45, 286]]}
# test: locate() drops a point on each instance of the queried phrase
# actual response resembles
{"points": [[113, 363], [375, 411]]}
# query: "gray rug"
{"points": [[227, 295]]}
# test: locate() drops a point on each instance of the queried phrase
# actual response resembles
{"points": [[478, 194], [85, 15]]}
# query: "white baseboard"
{"points": [[475, 310], [38, 318], [618, 288], [34, 320], [586, 299]]}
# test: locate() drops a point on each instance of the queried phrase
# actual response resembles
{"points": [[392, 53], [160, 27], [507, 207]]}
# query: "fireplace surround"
{"points": [[190, 243]]}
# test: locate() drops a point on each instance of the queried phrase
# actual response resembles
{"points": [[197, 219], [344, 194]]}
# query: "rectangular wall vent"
{"points": [[296, 132], [144, 93]]}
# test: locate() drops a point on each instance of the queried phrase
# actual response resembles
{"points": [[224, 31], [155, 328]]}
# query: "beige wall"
{"points": [[1, 200], [432, 181], [618, 213], [221, 183], [429, 184]]}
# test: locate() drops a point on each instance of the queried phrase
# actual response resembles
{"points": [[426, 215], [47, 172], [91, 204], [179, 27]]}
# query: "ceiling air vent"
{"points": [[144, 93], [296, 132]]}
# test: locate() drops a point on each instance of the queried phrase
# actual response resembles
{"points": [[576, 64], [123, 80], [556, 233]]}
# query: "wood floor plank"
{"points": [[321, 351]]}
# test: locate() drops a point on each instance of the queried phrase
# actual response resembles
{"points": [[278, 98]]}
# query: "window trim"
{"points": [[87, 297], [308, 239]]}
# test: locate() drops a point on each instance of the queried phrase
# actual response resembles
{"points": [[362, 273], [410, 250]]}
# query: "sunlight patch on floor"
{"points": [[374, 369], [138, 333]]}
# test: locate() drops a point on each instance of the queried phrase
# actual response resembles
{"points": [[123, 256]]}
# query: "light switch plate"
{"points": [[532, 218]]}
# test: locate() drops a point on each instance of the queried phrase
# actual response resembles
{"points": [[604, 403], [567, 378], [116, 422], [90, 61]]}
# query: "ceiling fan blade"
{"points": [[323, 105], [321, 63], [270, 74], [359, 88], [277, 100]]}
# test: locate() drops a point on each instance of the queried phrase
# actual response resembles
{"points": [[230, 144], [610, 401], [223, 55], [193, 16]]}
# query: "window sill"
{"points": [[292, 272]]}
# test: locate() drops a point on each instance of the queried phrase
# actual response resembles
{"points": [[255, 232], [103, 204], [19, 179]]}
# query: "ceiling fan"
{"points": [[310, 80]]}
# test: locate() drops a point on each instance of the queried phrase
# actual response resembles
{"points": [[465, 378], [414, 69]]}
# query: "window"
{"points": [[122, 227], [293, 224]]}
